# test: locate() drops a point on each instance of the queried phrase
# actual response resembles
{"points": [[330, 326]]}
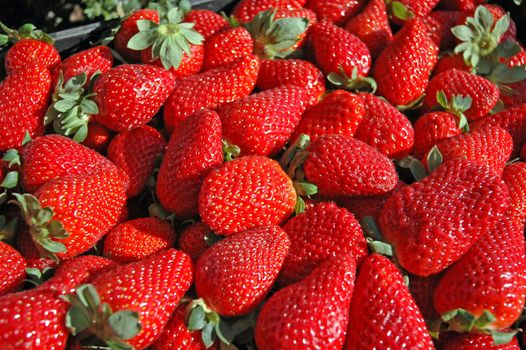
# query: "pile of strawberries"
{"points": [[322, 174]]}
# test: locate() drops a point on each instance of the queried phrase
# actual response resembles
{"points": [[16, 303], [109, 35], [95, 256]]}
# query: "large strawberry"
{"points": [[380, 294], [433, 222], [13, 266], [312, 313], [317, 234], [246, 10], [226, 46], [337, 11], [194, 149], [247, 192], [477, 341], [207, 22], [128, 29], [514, 176]]}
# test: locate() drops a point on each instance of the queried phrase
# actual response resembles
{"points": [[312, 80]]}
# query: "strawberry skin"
{"points": [[380, 294], [460, 5], [130, 95], [234, 281], [514, 175], [337, 11], [128, 29], [246, 192], [422, 289], [98, 58], [207, 22], [262, 123], [318, 233], [98, 137], [432, 128], [468, 197], [226, 46], [439, 24], [24, 95], [448, 62], [13, 266], [312, 313], [28, 53], [419, 8], [192, 240], [195, 148], [246, 10], [475, 341], [343, 166]]}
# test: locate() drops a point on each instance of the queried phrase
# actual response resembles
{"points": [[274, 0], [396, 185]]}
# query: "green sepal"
{"points": [[12, 157], [10, 180], [456, 106], [501, 338], [353, 83], [517, 2], [26, 139], [299, 145], [415, 104], [305, 188], [400, 11], [212, 238], [434, 159], [299, 207], [374, 237], [8, 230], [232, 20], [460, 320], [26, 31], [502, 74], [418, 170], [37, 277], [230, 151]]}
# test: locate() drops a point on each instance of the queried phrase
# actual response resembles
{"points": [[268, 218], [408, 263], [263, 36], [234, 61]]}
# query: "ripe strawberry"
{"points": [[98, 137], [416, 8], [262, 123], [334, 47], [402, 70], [484, 93], [244, 193], [468, 197], [193, 240], [432, 128], [385, 128], [13, 266], [460, 5], [210, 89], [514, 175], [448, 62], [194, 149], [234, 281], [490, 276], [317, 234], [340, 112], [275, 73], [422, 289], [27, 247], [128, 29], [311, 312], [381, 294], [497, 12], [143, 295], [372, 27], [439, 25], [207, 22], [246, 10], [474, 341], [24, 95], [337, 11], [342, 166], [121, 107], [226, 46], [515, 95], [135, 153], [29, 53]]}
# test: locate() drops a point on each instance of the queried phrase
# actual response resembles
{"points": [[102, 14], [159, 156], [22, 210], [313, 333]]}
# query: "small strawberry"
{"points": [[469, 199], [337, 11], [207, 22], [13, 266], [380, 294], [439, 25], [514, 175], [244, 193], [98, 137], [193, 240], [135, 153], [246, 10], [432, 128], [195, 148], [226, 46], [477, 341], [128, 29], [448, 62], [311, 313]]}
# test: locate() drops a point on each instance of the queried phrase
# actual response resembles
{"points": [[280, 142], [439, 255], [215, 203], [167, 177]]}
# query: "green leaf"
{"points": [[81, 133], [88, 295], [175, 15], [501, 338], [144, 24], [462, 32], [501, 26], [141, 41], [64, 105], [27, 138], [300, 206], [207, 335], [224, 332], [197, 319], [12, 157], [434, 159], [400, 11], [89, 107], [415, 166], [305, 189], [442, 99], [125, 324], [4, 40]]}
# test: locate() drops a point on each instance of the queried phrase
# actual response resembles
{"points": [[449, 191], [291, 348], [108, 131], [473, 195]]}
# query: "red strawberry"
{"points": [[207, 22], [244, 193], [233, 281], [27, 247], [460, 5], [262, 123], [337, 11], [135, 153], [98, 137], [143, 294], [416, 8], [342, 166], [210, 89], [23, 96], [484, 93], [226, 46], [121, 106], [194, 149], [128, 29], [193, 240], [497, 12], [448, 62], [246, 10], [334, 47], [340, 112], [372, 27], [433, 222], [432, 128], [29, 53], [381, 294], [490, 276], [385, 128], [317, 234], [311, 313], [274, 73], [439, 25], [402, 70], [13, 266], [474, 341], [515, 95], [514, 175], [422, 289]]}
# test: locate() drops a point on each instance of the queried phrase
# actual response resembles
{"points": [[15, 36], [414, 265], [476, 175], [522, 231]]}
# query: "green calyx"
{"points": [[354, 83], [42, 228], [456, 106], [434, 159], [26, 31], [72, 106], [400, 11], [275, 38], [8, 230], [415, 166], [374, 237], [89, 318], [36, 276], [230, 151], [415, 104], [168, 40]]}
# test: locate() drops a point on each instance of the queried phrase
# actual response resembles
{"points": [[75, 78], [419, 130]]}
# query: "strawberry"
{"points": [[23, 96], [317, 234], [460, 5], [468, 197], [422, 289], [141, 297], [226, 46], [410, 54], [244, 193], [497, 12], [195, 148], [342, 166], [207, 22], [14, 268], [128, 29], [439, 25], [385, 128], [274, 73], [28, 248], [337, 11], [414, 9], [513, 176], [262, 123], [381, 294], [448, 62], [372, 27], [121, 107], [515, 95], [484, 93], [334, 47], [490, 277], [210, 89], [96, 59], [135, 153], [432, 128], [98, 137], [246, 10], [474, 341], [310, 313], [193, 240]]}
